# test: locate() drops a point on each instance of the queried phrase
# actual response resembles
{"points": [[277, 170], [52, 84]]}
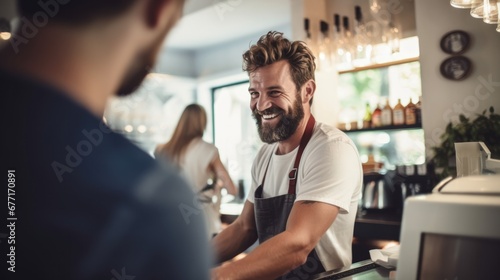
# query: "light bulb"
{"points": [[464, 4]]}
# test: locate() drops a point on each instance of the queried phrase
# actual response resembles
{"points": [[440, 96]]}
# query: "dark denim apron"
{"points": [[271, 214]]}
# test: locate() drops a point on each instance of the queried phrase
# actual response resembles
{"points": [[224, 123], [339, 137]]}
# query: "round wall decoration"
{"points": [[455, 42], [456, 68]]}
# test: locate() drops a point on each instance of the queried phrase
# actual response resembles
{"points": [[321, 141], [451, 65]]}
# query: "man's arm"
{"points": [[308, 221], [237, 237]]}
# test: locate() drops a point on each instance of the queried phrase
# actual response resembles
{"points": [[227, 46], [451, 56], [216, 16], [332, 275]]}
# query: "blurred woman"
{"points": [[199, 161]]}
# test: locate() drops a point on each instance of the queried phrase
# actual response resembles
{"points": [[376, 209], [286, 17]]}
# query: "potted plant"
{"points": [[485, 128]]}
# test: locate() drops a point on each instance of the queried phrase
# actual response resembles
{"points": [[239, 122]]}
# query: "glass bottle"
{"points": [[377, 117], [398, 114], [367, 117], [344, 53], [418, 111], [324, 47], [362, 48], [386, 115], [410, 117], [307, 30], [337, 50]]}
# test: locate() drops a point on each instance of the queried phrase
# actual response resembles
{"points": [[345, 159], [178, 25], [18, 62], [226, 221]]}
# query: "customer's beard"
{"points": [[136, 75], [286, 126], [144, 62], [141, 66]]}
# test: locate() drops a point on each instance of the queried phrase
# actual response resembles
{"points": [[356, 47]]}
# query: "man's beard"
{"points": [[136, 74], [141, 66], [286, 126]]}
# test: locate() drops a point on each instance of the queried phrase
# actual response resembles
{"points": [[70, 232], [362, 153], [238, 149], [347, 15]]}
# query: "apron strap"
{"points": [[292, 176], [265, 172]]}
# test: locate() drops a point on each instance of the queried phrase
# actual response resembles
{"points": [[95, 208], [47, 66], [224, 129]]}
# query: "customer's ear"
{"points": [[157, 9]]}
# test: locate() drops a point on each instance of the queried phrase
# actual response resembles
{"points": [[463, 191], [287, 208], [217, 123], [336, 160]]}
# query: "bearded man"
{"points": [[307, 177]]}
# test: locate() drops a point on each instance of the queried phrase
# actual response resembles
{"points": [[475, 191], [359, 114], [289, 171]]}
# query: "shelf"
{"points": [[380, 65], [383, 128]]}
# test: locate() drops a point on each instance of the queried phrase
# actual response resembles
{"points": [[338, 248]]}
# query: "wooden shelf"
{"points": [[380, 65], [383, 128]]}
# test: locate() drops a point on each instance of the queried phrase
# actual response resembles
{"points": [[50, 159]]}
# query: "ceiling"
{"points": [[210, 22]]}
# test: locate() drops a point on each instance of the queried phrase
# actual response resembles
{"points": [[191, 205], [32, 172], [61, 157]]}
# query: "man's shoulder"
{"points": [[327, 133]]}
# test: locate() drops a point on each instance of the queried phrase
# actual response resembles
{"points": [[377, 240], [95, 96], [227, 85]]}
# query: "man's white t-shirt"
{"points": [[330, 172]]}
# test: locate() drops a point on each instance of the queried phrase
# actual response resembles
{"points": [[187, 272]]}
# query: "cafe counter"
{"points": [[363, 270]]}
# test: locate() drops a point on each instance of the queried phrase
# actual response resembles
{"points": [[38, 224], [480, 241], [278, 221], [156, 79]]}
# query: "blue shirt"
{"points": [[88, 203]]}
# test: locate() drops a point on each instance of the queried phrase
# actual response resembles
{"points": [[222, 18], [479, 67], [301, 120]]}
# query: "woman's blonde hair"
{"points": [[191, 125]]}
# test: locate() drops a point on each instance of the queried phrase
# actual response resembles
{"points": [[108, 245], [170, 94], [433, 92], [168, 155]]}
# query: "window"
{"points": [[235, 132]]}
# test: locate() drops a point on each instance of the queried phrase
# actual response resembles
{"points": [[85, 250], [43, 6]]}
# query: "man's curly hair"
{"points": [[273, 47]]}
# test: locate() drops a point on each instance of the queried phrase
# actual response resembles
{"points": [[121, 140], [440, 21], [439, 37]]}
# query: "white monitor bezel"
{"points": [[447, 214]]}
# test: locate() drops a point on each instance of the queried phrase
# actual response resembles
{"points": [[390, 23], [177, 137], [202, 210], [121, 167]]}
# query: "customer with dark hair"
{"points": [[306, 179], [199, 162], [85, 203]]}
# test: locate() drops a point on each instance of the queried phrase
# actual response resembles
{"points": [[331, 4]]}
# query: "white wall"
{"points": [[443, 100]]}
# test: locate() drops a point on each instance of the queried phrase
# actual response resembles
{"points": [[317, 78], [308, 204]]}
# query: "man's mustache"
{"points": [[268, 111]]}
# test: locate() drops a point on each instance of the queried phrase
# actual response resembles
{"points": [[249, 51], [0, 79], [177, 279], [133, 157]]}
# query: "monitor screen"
{"points": [[458, 257]]}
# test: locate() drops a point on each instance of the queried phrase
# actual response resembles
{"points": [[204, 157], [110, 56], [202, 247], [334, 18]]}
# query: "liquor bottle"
{"points": [[347, 30], [410, 117], [362, 48], [377, 117], [386, 115], [367, 118], [337, 42], [308, 37], [418, 111], [344, 52], [306, 29], [398, 114], [324, 47]]}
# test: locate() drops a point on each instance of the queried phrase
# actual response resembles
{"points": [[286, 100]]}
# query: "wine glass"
{"points": [[498, 9], [375, 6], [490, 11]]}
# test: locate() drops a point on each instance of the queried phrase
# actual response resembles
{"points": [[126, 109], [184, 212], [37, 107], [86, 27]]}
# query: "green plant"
{"points": [[485, 128]]}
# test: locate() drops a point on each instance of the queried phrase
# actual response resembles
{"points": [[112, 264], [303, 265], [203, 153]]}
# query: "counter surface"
{"points": [[363, 270]]}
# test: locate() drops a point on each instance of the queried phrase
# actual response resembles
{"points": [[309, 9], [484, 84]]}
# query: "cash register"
{"points": [[452, 233]]}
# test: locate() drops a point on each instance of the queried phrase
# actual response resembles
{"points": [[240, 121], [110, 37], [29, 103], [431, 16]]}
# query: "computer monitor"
{"points": [[454, 233]]}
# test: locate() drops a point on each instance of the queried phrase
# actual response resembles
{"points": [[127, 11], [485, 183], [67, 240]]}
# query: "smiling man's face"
{"points": [[275, 102]]}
